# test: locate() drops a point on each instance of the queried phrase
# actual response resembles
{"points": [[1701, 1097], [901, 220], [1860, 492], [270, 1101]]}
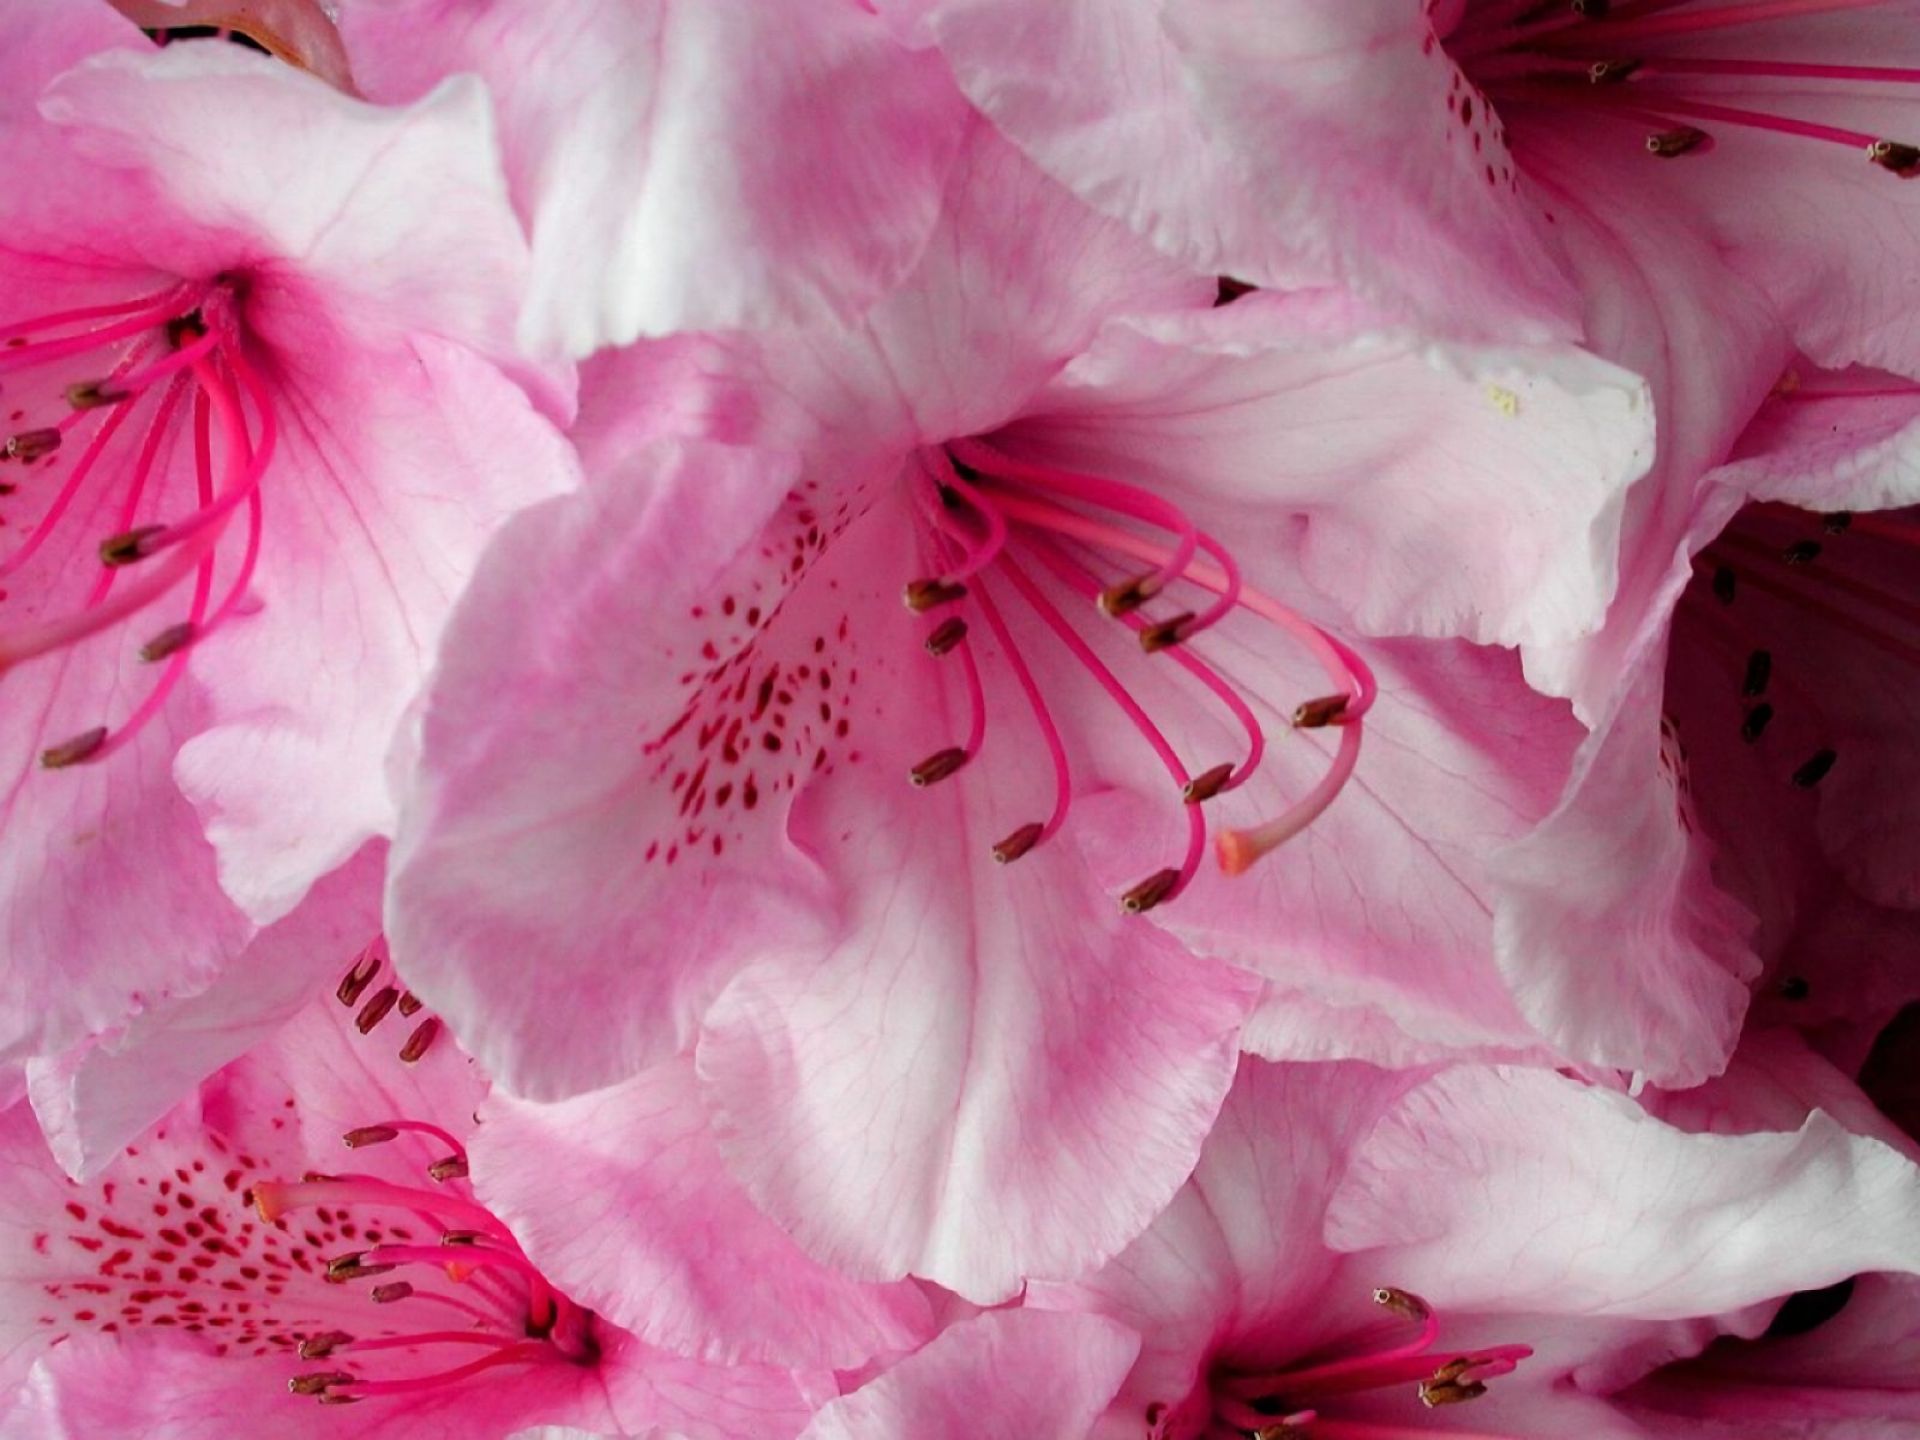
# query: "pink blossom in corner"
{"points": [[243, 381], [1364, 1255], [689, 166], [695, 823], [235, 1270], [1761, 729]]}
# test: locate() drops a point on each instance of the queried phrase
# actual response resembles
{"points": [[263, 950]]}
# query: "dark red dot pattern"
{"points": [[769, 679]]}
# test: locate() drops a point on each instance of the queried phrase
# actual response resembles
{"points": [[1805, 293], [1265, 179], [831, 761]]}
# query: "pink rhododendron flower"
{"points": [[261, 411], [689, 166], [1769, 728], [933, 1063], [1363, 1256], [234, 1270]]}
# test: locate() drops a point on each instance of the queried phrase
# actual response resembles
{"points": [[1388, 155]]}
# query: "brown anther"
{"points": [[409, 1004], [1755, 725], [924, 595], [1403, 1303], [1611, 72], [1814, 769], [354, 983], [183, 330], [30, 445], [318, 1347], [1207, 784], [1019, 842], [375, 1010], [1902, 160], [1166, 633], [1759, 670], [1681, 140], [170, 641], [1435, 1393], [131, 545], [947, 634], [317, 1381], [1801, 552], [92, 394], [80, 748], [1227, 290], [343, 1268], [449, 1167], [419, 1040], [370, 1135], [1129, 595], [391, 1291], [1321, 711], [1150, 891], [461, 1237], [1837, 522], [938, 766], [1724, 584]]}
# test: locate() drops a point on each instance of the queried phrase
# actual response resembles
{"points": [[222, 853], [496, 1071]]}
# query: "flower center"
{"points": [[1301, 1401], [106, 397], [462, 1276], [1635, 62], [991, 521]]}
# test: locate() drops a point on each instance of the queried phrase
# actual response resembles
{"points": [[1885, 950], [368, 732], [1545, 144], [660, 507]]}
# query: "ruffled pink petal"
{"points": [[1503, 1215], [540, 861], [691, 167], [1008, 1375], [1318, 140], [1456, 491], [622, 1199]]}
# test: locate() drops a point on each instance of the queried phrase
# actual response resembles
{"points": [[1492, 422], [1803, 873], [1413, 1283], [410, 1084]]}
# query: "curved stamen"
{"points": [[1088, 583], [1163, 885], [1111, 495], [1239, 849], [183, 532], [164, 303], [524, 1353], [1343, 668], [63, 498], [976, 557]]}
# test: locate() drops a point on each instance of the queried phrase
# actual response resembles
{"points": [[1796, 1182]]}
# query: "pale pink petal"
{"points": [[1549, 1191], [1266, 143], [649, 1230], [1376, 928], [1482, 501], [1008, 1375], [692, 166]]}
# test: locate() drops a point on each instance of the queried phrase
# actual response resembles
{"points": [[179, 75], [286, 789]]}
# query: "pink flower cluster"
{"points": [[960, 719]]}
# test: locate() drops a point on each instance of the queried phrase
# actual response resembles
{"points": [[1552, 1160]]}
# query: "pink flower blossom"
{"points": [[1362, 1255], [251, 378], [233, 1270], [1761, 728], [931, 1063], [689, 166]]}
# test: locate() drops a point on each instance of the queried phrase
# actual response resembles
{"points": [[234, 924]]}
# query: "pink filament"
{"points": [[1310, 1376], [1784, 69], [143, 470], [1196, 822], [523, 1353], [1343, 668], [1623, 29], [1107, 494], [166, 304], [428, 1337], [421, 1127], [977, 557], [210, 516], [62, 500], [449, 1210], [1760, 120], [1088, 583]]}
